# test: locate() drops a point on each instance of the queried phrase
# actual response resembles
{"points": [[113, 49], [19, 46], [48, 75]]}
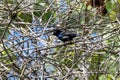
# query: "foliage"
{"points": [[30, 51]]}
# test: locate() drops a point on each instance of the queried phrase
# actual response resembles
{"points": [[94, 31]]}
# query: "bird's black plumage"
{"points": [[64, 36]]}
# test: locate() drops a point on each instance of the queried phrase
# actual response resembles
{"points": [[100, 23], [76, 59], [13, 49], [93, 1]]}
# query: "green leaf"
{"points": [[25, 17], [1, 32], [5, 58], [46, 16], [67, 62], [106, 77]]}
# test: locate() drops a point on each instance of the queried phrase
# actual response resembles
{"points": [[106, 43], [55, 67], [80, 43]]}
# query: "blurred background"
{"points": [[30, 51]]}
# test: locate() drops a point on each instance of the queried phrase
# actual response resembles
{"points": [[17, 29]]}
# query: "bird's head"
{"points": [[57, 32]]}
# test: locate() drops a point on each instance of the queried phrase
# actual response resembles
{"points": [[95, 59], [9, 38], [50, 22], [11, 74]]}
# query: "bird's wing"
{"points": [[65, 37], [70, 34], [62, 35]]}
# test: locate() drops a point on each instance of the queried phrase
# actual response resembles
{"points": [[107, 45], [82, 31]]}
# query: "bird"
{"points": [[64, 36]]}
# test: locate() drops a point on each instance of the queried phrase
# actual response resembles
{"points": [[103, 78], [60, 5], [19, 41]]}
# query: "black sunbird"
{"points": [[64, 36]]}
